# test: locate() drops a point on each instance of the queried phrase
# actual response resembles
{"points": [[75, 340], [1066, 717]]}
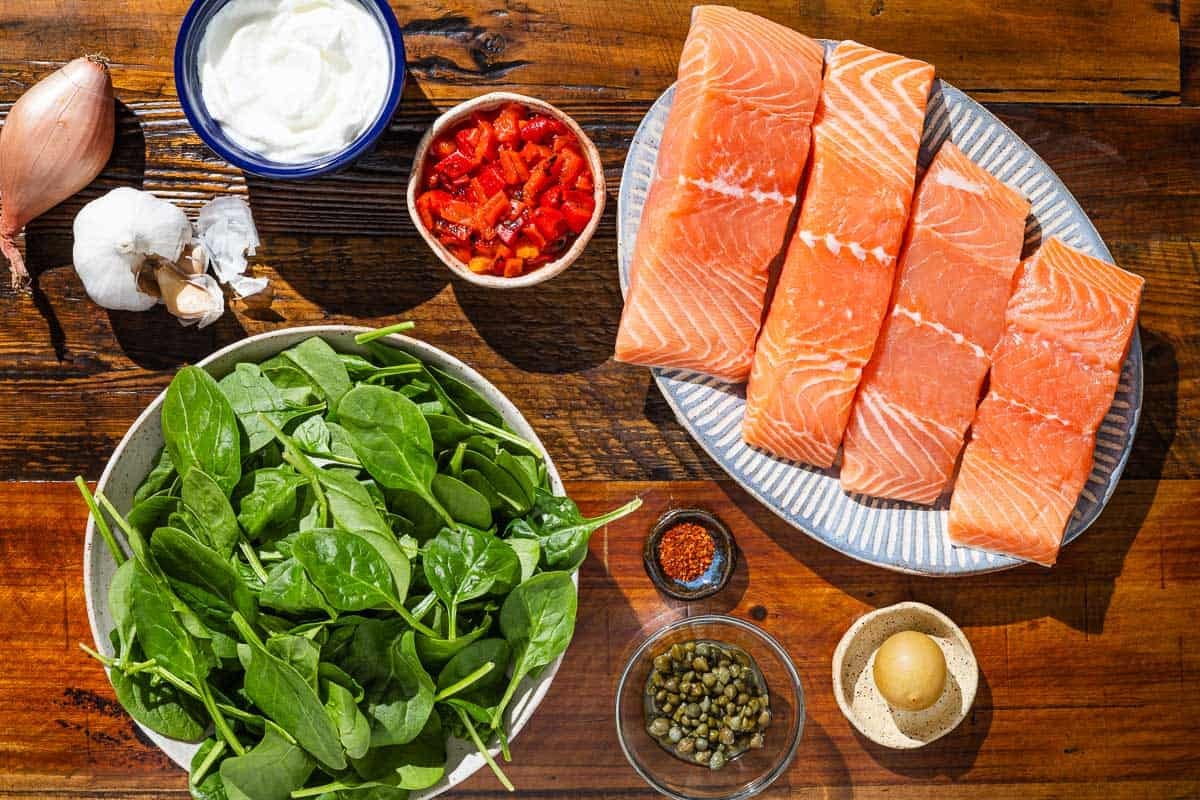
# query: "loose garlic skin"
{"points": [[117, 236]]}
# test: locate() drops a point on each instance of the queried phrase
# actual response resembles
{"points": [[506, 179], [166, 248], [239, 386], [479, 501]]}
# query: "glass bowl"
{"points": [[743, 776], [187, 85]]}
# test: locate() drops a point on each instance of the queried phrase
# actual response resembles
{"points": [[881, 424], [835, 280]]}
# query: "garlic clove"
{"points": [[193, 299], [226, 229], [116, 235]]}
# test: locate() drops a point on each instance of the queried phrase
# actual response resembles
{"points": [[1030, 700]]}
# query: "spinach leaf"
{"points": [[267, 497], [353, 728], [528, 554], [287, 699], [347, 569], [508, 462], [462, 564], [447, 431], [162, 633], [300, 652], [158, 705], [462, 502], [251, 393], [159, 480], [562, 532], [351, 504], [208, 513], [200, 428], [416, 765], [392, 440], [435, 651], [289, 589], [471, 658], [291, 381], [152, 512], [400, 707], [474, 478], [504, 484], [270, 771], [466, 399], [538, 620], [205, 581], [205, 782], [324, 368]]}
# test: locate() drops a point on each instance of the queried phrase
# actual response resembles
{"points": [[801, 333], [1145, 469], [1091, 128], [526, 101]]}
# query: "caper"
{"points": [[712, 735], [672, 685], [717, 760], [735, 670], [764, 719], [662, 663], [690, 647], [702, 729], [702, 756], [705, 704], [708, 679], [743, 698], [660, 696], [730, 692], [685, 686], [675, 733], [727, 736], [696, 690], [685, 746], [700, 664], [673, 698], [689, 676], [748, 724], [734, 722], [660, 726], [752, 706], [756, 741], [723, 674], [693, 709], [701, 744]]}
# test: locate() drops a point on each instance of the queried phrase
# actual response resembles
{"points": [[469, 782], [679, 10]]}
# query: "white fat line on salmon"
{"points": [[916, 318], [728, 189], [835, 246], [956, 180], [1038, 412]]}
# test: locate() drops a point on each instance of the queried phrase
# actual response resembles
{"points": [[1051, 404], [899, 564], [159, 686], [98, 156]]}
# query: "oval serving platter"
{"points": [[895, 535]]}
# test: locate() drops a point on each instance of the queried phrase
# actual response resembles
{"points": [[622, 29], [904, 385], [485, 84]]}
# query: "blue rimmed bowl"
{"points": [[187, 85]]}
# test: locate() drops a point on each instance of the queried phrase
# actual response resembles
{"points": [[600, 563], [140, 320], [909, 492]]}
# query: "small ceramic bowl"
{"points": [[191, 98], [861, 702], [456, 115], [714, 578], [744, 776]]}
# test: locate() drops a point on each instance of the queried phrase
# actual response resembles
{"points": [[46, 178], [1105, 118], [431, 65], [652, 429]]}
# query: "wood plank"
{"points": [[1013, 50], [1189, 51], [1090, 681]]}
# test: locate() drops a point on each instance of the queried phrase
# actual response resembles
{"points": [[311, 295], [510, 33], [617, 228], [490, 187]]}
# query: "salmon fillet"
{"points": [[729, 166], [1068, 328], [836, 281], [919, 391]]}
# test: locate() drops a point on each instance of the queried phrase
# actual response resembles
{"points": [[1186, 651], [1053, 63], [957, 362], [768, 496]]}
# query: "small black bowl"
{"points": [[718, 573]]}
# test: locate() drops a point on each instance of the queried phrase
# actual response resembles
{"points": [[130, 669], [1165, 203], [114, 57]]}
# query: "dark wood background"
{"points": [[1090, 671]]}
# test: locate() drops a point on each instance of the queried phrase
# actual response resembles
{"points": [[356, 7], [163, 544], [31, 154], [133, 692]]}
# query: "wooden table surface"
{"points": [[1090, 682]]}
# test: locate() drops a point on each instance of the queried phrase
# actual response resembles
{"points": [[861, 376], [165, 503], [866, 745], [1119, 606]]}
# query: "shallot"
{"points": [[56, 140]]}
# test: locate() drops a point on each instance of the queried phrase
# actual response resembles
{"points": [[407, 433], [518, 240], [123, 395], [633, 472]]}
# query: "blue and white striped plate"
{"points": [[895, 535]]}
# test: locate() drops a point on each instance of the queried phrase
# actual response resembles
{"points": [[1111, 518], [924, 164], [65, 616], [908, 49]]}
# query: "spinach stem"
{"points": [[498, 714], [469, 680], [293, 455], [101, 524], [219, 722], [246, 631], [617, 513], [379, 333], [408, 617], [204, 766], [137, 543], [422, 608], [483, 751], [399, 369], [316, 791], [451, 622], [501, 433], [252, 560]]}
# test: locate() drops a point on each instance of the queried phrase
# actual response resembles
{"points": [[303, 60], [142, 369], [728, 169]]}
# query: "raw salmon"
{"points": [[1054, 373], [728, 172], [919, 391], [837, 279]]}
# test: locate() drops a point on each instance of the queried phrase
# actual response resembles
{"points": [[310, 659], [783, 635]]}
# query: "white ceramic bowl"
{"points": [[135, 456], [860, 700], [485, 103]]}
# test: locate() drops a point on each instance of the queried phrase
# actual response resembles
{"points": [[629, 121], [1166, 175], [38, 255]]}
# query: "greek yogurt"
{"points": [[294, 80]]}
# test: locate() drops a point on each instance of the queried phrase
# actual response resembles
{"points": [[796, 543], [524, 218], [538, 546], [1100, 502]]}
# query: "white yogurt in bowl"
{"points": [[294, 80]]}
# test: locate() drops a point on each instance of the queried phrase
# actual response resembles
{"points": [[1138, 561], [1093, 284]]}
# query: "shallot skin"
{"points": [[56, 140]]}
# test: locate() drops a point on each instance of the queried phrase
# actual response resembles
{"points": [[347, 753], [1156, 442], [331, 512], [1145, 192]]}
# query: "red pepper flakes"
{"points": [[686, 551]]}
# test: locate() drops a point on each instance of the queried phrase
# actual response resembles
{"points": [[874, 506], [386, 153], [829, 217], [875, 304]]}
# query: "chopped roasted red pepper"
{"points": [[455, 165], [506, 191]]}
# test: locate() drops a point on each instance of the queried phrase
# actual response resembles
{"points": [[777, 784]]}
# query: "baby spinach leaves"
{"points": [[274, 545]]}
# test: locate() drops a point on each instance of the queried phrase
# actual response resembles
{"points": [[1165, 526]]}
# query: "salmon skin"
{"points": [[729, 167], [836, 281], [1054, 373], [919, 392]]}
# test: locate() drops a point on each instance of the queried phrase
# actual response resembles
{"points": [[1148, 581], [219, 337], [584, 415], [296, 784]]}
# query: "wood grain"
{"points": [[1089, 669]]}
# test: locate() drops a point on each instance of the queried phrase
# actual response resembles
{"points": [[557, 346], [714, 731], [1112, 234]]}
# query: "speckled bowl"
{"points": [[488, 102], [135, 455], [854, 683]]}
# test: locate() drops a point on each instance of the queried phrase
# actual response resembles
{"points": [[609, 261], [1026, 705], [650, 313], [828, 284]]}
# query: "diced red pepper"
{"points": [[539, 128], [430, 204], [513, 167], [584, 182], [565, 140], [486, 144], [444, 147], [578, 198], [533, 152], [568, 166], [576, 217], [539, 179], [534, 236], [506, 124], [491, 180], [459, 211], [552, 197], [451, 231], [549, 222], [455, 165], [465, 140], [490, 213]]}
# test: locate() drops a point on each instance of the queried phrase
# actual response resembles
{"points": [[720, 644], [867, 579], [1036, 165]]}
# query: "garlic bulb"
{"points": [[120, 235]]}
